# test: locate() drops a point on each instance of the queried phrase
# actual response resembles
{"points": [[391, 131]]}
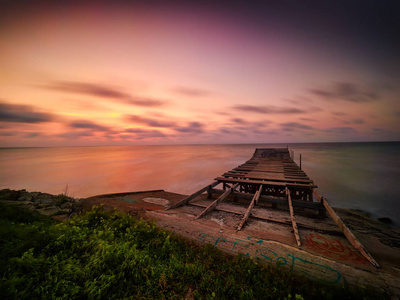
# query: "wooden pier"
{"points": [[272, 176]]}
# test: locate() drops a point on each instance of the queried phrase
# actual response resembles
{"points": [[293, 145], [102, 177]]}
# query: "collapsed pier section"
{"points": [[273, 176]]}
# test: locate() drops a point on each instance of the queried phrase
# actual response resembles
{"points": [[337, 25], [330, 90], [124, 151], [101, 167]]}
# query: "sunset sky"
{"points": [[185, 72]]}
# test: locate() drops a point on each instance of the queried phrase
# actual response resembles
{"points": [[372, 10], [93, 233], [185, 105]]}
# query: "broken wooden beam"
{"points": [[267, 182], [218, 200], [194, 195], [248, 212], [294, 225], [346, 231], [268, 219], [272, 199]]}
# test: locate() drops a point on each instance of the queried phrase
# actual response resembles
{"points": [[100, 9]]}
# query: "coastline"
{"points": [[325, 255]]}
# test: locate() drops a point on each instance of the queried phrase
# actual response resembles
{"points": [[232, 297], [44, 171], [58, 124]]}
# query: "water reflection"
{"points": [[354, 175]]}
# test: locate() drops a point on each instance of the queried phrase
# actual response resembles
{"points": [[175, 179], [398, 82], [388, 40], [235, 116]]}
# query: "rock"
{"points": [[48, 211], [63, 212], [59, 206], [66, 205], [8, 194], [46, 199], [25, 197], [385, 220]]}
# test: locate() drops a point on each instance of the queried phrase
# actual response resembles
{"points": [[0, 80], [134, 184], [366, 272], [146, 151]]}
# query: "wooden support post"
{"points": [[295, 230], [322, 210], [300, 161], [209, 193], [248, 212], [218, 200], [260, 190], [346, 231], [191, 197]]}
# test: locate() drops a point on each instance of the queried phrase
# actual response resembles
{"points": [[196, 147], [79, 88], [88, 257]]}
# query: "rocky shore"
{"points": [[59, 207]]}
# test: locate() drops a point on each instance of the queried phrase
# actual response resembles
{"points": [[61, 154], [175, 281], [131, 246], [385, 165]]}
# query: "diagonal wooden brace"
{"points": [[218, 200], [346, 231], [295, 230], [194, 195], [248, 212]]}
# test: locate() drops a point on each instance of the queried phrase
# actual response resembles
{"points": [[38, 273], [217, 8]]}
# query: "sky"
{"points": [[88, 73]]}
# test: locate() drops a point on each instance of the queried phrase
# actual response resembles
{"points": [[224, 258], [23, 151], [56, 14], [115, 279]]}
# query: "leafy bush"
{"points": [[112, 256]]}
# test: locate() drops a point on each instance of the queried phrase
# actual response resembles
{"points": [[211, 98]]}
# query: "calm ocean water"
{"points": [[363, 176]]}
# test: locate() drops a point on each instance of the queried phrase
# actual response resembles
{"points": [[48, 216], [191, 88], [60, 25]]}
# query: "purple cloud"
{"points": [[30, 135], [291, 126], [146, 102], [75, 134], [239, 121], [103, 91], [22, 114], [193, 127], [83, 124], [339, 114], [269, 109], [150, 122], [340, 130], [141, 134], [8, 133], [347, 91], [191, 92]]}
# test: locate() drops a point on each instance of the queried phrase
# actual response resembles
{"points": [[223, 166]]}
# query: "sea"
{"points": [[360, 176]]}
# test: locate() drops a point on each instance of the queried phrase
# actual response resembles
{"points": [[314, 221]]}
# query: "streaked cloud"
{"points": [[103, 91], [75, 134], [30, 135], [291, 126], [239, 121], [84, 124], [191, 92], [192, 127], [18, 113], [340, 130], [150, 122], [146, 102], [357, 121], [8, 133], [339, 114], [347, 91], [269, 109], [141, 134]]}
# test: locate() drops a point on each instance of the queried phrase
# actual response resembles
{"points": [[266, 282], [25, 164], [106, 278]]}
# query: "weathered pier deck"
{"points": [[273, 177]]}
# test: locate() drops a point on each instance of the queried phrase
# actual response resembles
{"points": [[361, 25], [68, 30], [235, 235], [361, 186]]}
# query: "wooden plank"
{"points": [[271, 183], [294, 225], [271, 199], [247, 214], [268, 176], [278, 221], [289, 172], [218, 200], [194, 195], [346, 231]]}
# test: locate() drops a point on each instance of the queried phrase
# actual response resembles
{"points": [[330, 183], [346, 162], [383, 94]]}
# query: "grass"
{"points": [[113, 256]]}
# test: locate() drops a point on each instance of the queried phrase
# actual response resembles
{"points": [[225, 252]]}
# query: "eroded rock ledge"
{"points": [[59, 207]]}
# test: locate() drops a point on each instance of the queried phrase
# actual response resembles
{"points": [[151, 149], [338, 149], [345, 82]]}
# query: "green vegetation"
{"points": [[112, 256]]}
